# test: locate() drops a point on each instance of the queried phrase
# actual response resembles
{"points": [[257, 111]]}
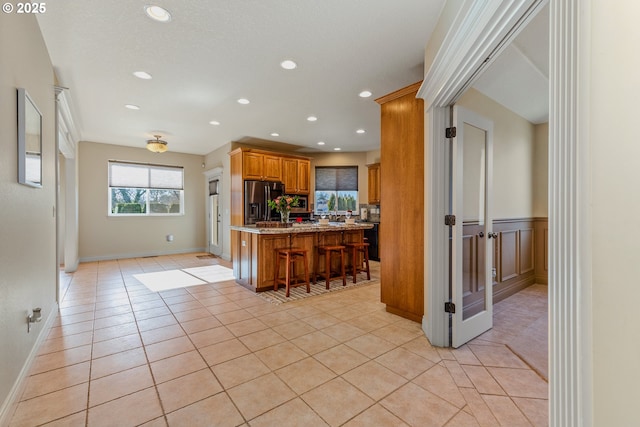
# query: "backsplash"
{"points": [[373, 212]]}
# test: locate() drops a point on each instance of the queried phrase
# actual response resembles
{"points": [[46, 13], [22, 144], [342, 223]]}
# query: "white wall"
{"points": [[615, 182], [105, 237], [541, 171], [513, 156], [28, 267]]}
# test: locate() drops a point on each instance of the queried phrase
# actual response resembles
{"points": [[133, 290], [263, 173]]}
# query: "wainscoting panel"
{"points": [[469, 259], [508, 254], [526, 250], [520, 258]]}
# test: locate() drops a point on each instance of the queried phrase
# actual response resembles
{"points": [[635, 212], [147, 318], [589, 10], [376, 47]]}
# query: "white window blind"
{"points": [[337, 178], [136, 175]]}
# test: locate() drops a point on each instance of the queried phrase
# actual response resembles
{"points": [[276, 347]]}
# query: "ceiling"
{"points": [[519, 77], [213, 52]]}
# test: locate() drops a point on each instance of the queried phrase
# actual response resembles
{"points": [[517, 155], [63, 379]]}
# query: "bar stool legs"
{"points": [[355, 248], [328, 251], [291, 256]]}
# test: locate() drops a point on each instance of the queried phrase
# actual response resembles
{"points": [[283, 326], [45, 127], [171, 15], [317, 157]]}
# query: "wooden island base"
{"points": [[254, 249]]}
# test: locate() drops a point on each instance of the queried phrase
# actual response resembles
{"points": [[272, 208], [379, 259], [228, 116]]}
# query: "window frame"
{"points": [[338, 188], [148, 188]]}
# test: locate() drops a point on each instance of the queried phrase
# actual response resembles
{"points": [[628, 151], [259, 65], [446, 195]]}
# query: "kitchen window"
{"points": [[336, 189], [139, 189]]}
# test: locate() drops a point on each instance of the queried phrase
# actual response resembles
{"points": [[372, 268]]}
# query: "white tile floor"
{"points": [[218, 355]]}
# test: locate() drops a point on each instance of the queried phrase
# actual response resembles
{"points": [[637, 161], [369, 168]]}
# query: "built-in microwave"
{"points": [[303, 204]]}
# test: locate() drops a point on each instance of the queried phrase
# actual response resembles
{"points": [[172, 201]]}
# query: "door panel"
{"points": [[215, 225], [472, 244]]}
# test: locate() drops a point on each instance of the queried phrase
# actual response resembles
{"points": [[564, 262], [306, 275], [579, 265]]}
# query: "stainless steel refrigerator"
{"points": [[256, 194]]}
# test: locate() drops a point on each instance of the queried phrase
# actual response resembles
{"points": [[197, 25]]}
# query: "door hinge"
{"points": [[449, 307], [450, 220], [450, 132]]}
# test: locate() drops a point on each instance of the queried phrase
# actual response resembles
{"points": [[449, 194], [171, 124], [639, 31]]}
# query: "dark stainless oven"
{"points": [[373, 238]]}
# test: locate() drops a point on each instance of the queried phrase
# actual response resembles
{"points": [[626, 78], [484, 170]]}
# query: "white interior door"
{"points": [[471, 255], [215, 218]]}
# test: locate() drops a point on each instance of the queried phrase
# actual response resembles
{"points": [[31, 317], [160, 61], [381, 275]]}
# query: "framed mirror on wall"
{"points": [[29, 141]]}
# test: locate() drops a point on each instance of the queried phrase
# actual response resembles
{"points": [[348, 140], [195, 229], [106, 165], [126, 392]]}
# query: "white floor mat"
{"points": [[165, 280]]}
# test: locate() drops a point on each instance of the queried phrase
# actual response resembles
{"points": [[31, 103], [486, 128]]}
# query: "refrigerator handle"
{"points": [[267, 196]]}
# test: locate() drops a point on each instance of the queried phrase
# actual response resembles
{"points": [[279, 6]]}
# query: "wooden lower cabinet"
{"points": [[254, 254]]}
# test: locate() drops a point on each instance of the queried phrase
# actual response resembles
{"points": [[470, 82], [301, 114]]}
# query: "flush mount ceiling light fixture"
{"points": [[157, 145], [157, 13], [365, 94]]}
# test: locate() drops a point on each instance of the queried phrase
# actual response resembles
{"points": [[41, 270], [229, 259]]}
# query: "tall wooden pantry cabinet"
{"points": [[402, 202]]}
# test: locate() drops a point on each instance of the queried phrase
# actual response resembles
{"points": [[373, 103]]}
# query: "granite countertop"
{"points": [[303, 228]]}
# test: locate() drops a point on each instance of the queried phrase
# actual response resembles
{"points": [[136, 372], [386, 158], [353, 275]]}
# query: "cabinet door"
{"points": [[267, 256], [374, 184], [272, 168], [304, 170], [290, 175], [252, 165]]}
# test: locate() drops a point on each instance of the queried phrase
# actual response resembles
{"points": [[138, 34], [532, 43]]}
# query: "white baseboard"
{"points": [[11, 402], [140, 254]]}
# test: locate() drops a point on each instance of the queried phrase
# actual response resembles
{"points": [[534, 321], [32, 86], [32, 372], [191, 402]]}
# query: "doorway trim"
{"points": [[570, 282], [480, 31], [214, 174]]}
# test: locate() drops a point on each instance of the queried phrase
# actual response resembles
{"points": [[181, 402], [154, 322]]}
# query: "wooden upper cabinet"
{"points": [[272, 168], [304, 180], [295, 175], [374, 183], [290, 175], [252, 165], [262, 167]]}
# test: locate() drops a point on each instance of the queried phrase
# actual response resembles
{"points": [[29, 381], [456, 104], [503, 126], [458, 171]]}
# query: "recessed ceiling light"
{"points": [[142, 75], [321, 143], [243, 101], [360, 131], [365, 94], [132, 107], [214, 122], [288, 64], [157, 13], [312, 118], [275, 134], [337, 149]]}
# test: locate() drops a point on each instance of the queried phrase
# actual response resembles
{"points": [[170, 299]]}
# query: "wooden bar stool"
{"points": [[328, 251], [354, 249], [291, 255]]}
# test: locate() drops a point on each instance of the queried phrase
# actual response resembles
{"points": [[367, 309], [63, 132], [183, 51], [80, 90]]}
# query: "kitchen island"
{"points": [[253, 248]]}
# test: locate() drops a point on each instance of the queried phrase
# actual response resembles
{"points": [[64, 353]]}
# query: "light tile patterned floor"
{"points": [[218, 355]]}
